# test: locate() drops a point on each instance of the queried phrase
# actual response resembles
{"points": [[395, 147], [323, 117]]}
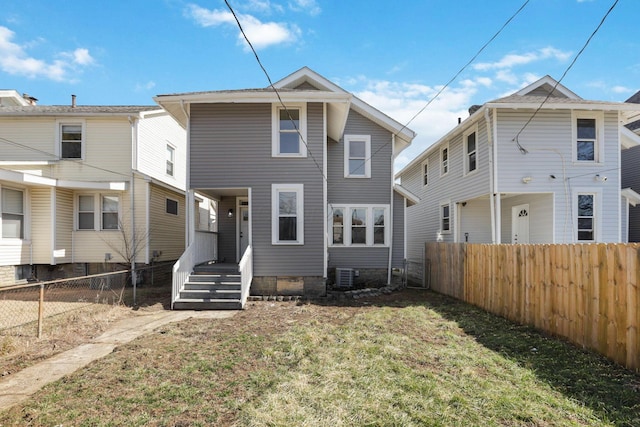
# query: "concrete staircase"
{"points": [[211, 286]]}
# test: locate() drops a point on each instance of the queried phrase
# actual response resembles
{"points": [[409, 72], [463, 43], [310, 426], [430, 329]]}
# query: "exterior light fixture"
{"points": [[230, 213], [527, 179]]}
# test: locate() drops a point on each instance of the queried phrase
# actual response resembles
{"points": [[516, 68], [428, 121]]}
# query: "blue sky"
{"points": [[394, 55]]}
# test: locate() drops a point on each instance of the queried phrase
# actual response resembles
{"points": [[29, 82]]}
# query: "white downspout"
{"points": [[134, 154], [492, 206], [188, 209], [325, 195], [496, 190], [393, 143]]}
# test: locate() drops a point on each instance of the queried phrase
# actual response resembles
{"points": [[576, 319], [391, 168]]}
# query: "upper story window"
{"points": [[289, 131], [470, 150], [360, 225], [12, 213], [71, 141], [586, 217], [171, 153], [425, 173], [287, 223], [444, 160], [357, 156], [587, 136]]}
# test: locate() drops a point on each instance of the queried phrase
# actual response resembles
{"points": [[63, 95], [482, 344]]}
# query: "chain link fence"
{"points": [[24, 308]]}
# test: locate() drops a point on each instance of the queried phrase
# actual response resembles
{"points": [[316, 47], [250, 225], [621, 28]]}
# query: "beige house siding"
{"points": [[64, 226], [37, 133], [166, 230], [41, 221]]}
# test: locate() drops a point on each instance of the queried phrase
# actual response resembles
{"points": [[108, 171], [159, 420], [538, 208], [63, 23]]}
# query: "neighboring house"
{"points": [[631, 174], [302, 190], [68, 177], [538, 166]]}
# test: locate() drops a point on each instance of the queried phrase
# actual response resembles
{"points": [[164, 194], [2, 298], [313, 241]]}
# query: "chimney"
{"points": [[459, 120], [73, 101], [30, 99]]}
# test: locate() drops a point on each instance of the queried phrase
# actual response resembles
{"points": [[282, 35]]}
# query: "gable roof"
{"points": [[303, 85], [540, 92]]}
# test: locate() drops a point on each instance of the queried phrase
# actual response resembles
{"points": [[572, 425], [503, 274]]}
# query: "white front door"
{"points": [[520, 224], [244, 230]]}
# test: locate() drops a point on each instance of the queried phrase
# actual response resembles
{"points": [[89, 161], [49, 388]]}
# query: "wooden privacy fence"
{"points": [[587, 293]]}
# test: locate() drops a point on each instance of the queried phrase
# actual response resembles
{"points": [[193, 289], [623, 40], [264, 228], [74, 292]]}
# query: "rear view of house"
{"points": [[303, 176], [539, 166]]}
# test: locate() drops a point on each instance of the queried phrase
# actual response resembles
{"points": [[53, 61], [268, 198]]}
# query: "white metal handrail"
{"points": [[203, 248], [246, 274]]}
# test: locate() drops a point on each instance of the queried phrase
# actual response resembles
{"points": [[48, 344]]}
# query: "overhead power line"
{"points": [[515, 139]]}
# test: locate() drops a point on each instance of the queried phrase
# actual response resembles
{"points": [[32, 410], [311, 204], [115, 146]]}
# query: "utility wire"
{"points": [[274, 89], [515, 139]]}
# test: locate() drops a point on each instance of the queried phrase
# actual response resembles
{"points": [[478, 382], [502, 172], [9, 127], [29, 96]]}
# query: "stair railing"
{"points": [[246, 274], [203, 248]]}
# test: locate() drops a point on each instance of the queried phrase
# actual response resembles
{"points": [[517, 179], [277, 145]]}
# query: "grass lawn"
{"points": [[410, 359]]}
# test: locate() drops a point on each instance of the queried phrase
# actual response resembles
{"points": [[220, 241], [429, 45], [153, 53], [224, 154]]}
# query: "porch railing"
{"points": [[203, 248], [246, 273]]}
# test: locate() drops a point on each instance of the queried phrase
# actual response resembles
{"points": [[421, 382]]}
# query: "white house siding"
{"points": [[37, 133], [155, 132], [166, 231], [41, 224], [64, 226], [107, 146], [231, 147], [474, 218], [624, 224], [548, 140], [423, 219], [540, 217]]}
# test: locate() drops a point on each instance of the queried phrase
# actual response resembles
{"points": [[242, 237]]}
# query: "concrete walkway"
{"points": [[20, 386]]}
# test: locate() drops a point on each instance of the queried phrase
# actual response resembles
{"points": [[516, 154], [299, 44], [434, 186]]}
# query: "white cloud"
{"points": [[621, 89], [15, 60], [145, 86], [309, 6], [260, 34], [513, 60]]}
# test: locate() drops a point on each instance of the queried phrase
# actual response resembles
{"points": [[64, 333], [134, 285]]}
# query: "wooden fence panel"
{"points": [[587, 293]]}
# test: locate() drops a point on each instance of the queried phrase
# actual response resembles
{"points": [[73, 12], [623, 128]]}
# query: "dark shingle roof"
{"points": [[635, 99]]}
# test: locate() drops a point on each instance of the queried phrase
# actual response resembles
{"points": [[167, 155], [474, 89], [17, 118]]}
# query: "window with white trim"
{"points": [[445, 218], [71, 140], [470, 150], [287, 224], [97, 212], [86, 212], [586, 226], [289, 130], [12, 213], [357, 156], [444, 160], [587, 136], [425, 173], [171, 155], [359, 225]]}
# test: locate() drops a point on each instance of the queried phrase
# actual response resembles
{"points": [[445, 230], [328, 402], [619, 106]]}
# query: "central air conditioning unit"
{"points": [[344, 277]]}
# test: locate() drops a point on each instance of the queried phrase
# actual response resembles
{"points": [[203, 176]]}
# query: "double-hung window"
{"points": [[445, 218], [587, 136], [359, 225], [444, 160], [171, 153], [289, 125], [586, 217], [97, 210], [470, 150], [357, 156], [287, 226], [12, 213], [71, 138]]}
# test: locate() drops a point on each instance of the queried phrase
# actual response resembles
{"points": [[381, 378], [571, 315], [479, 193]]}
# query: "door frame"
{"points": [[242, 203], [515, 211]]}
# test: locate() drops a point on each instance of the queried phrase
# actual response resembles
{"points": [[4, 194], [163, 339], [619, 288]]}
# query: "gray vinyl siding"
{"points": [[397, 260], [374, 190], [231, 148], [540, 217], [549, 141], [624, 224], [475, 219], [630, 160], [227, 249]]}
